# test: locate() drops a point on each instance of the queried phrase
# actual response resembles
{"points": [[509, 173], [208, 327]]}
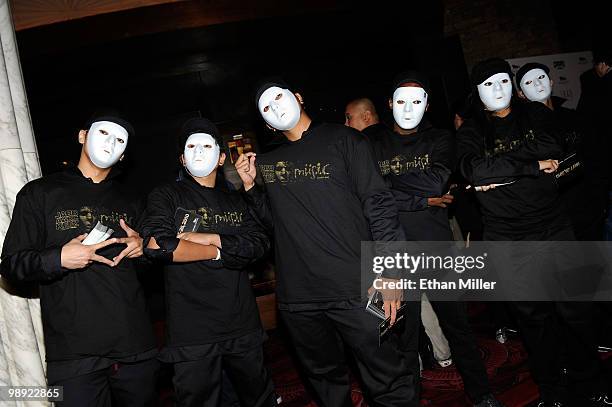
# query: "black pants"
{"points": [[128, 384], [558, 333], [389, 372], [561, 335], [454, 323], [199, 382]]}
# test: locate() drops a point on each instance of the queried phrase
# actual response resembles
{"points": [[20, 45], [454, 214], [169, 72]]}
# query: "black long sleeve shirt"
{"points": [[95, 311], [520, 140], [207, 301], [324, 196], [419, 165]]}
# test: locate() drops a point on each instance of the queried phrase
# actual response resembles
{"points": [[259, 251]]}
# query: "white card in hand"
{"points": [[107, 234], [98, 234]]}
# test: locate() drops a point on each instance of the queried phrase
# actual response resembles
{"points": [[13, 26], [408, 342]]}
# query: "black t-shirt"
{"points": [[94, 311], [207, 301], [518, 141], [419, 165], [324, 196]]}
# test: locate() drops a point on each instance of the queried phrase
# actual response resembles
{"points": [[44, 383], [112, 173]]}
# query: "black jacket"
{"points": [[94, 311]]}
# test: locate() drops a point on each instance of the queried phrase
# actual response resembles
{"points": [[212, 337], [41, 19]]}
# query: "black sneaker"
{"points": [[489, 401]]}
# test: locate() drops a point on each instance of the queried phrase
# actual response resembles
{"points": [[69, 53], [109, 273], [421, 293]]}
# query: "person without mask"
{"points": [[427, 159], [334, 199], [213, 321], [361, 115], [98, 337], [513, 144]]}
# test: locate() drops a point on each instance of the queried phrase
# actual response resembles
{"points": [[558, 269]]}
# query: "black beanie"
{"points": [[197, 125], [487, 68], [110, 115], [526, 68], [411, 76], [267, 83]]}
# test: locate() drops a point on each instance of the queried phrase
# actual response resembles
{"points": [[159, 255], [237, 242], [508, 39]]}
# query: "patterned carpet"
{"points": [[440, 387], [506, 366], [443, 387]]}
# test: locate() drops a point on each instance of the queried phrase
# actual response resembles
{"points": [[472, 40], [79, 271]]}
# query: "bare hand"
{"points": [[133, 242], [201, 238], [548, 166], [392, 298], [153, 244], [441, 201], [245, 166], [75, 255]]}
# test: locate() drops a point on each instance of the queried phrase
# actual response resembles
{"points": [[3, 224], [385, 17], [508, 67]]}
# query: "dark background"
{"points": [[159, 79], [142, 62]]}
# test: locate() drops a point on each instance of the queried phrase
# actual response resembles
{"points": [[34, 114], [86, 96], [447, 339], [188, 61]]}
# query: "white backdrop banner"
{"points": [[565, 71]]}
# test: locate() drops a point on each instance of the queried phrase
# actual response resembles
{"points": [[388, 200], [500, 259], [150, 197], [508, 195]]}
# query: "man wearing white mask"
{"points": [[534, 83], [514, 144], [424, 158], [98, 336], [332, 199], [578, 191], [213, 322]]}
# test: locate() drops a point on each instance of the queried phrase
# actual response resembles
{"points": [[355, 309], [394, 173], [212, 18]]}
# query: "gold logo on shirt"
{"points": [[506, 146], [400, 164], [68, 219], [87, 216], [287, 172], [211, 217]]}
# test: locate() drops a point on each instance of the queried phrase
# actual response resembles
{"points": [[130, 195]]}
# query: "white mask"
{"points": [[409, 104], [279, 108], [496, 92], [106, 143], [201, 154], [536, 85]]}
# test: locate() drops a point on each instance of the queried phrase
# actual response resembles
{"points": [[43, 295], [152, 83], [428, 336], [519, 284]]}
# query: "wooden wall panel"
{"points": [[34, 13]]}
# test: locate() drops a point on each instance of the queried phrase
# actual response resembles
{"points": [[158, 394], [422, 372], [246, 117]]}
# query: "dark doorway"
{"points": [[159, 79]]}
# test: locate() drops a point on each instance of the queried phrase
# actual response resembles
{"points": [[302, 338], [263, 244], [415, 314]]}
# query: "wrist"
{"points": [[62, 258]]}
